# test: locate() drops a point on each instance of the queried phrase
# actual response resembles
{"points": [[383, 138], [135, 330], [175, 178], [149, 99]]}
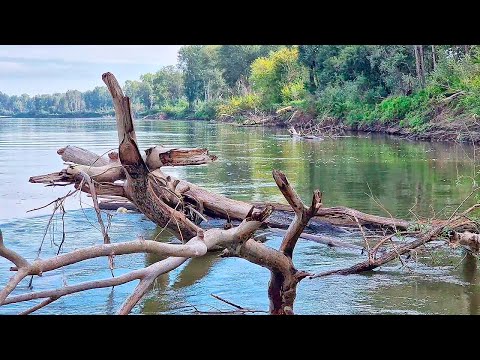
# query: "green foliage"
{"points": [[235, 60], [202, 75], [179, 110], [238, 104], [140, 93], [293, 91], [277, 78], [357, 84], [408, 111], [166, 84], [206, 110]]}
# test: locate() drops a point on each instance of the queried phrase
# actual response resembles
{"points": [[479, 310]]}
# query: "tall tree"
{"points": [[189, 60], [167, 84], [419, 62], [278, 77], [235, 61]]}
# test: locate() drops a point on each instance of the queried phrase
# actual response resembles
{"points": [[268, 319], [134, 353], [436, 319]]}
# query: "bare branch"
{"points": [[77, 155], [227, 302], [122, 108], [11, 255], [302, 213], [38, 306], [12, 283]]}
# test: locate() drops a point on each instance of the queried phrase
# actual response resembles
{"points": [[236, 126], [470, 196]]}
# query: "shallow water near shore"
{"points": [[405, 176]]}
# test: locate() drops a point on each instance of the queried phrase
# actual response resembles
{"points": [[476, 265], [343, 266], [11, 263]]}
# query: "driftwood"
{"points": [[216, 205], [301, 135], [179, 206]]}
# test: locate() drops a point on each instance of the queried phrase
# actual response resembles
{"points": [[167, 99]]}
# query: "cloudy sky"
{"points": [[45, 69]]}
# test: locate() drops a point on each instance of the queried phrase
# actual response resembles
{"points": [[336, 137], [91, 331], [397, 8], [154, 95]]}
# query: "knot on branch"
{"points": [[201, 235]]}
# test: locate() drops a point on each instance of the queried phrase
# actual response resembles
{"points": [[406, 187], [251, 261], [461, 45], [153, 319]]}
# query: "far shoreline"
{"points": [[434, 134]]}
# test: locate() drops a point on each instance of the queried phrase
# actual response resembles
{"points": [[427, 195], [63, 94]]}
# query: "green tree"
{"points": [[278, 76], [189, 59], [202, 76], [167, 84], [235, 61], [98, 99], [140, 93], [73, 101]]}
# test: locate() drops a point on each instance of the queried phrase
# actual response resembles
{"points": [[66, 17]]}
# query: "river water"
{"points": [[427, 179]]}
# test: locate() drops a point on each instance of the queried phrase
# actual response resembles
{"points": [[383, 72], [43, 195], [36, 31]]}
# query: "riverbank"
{"points": [[445, 125]]}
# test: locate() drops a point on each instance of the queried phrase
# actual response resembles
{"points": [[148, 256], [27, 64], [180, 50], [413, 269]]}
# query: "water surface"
{"points": [[405, 177]]}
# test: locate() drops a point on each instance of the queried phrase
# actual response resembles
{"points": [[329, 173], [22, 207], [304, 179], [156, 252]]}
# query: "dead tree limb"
{"points": [[371, 264], [77, 155], [283, 284], [159, 156]]}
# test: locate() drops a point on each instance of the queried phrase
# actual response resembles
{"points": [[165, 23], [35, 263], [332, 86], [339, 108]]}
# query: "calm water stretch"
{"points": [[405, 177]]}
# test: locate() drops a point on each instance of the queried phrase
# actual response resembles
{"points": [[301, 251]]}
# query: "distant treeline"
{"points": [[404, 84], [89, 103]]}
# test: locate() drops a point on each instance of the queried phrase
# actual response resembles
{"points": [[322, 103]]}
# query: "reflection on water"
{"points": [[400, 174]]}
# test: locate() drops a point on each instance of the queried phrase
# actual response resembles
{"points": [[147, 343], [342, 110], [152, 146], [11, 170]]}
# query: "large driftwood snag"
{"points": [[180, 206]]}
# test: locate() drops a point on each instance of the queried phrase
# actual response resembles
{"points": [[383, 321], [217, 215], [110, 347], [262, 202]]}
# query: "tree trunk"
{"points": [[418, 49], [434, 58]]}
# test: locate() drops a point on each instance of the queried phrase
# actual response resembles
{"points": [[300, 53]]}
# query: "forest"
{"points": [[408, 86]]}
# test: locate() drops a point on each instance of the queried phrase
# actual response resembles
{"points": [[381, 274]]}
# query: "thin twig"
{"points": [[228, 302], [463, 202]]}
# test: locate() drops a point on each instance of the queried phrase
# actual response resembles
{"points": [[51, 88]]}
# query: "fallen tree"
{"points": [[130, 177]]}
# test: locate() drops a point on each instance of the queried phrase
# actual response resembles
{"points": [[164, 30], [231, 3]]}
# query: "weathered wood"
{"points": [[159, 156], [121, 104], [195, 247], [107, 173], [114, 205], [81, 156], [217, 205], [282, 288], [397, 251], [139, 184]]}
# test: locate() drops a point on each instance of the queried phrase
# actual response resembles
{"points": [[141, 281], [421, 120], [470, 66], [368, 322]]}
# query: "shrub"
{"points": [[206, 110], [238, 104], [178, 110]]}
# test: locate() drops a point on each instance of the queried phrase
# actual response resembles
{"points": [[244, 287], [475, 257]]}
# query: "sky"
{"points": [[46, 69]]}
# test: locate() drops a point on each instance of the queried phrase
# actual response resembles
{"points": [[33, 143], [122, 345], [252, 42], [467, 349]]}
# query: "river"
{"points": [[361, 172]]}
